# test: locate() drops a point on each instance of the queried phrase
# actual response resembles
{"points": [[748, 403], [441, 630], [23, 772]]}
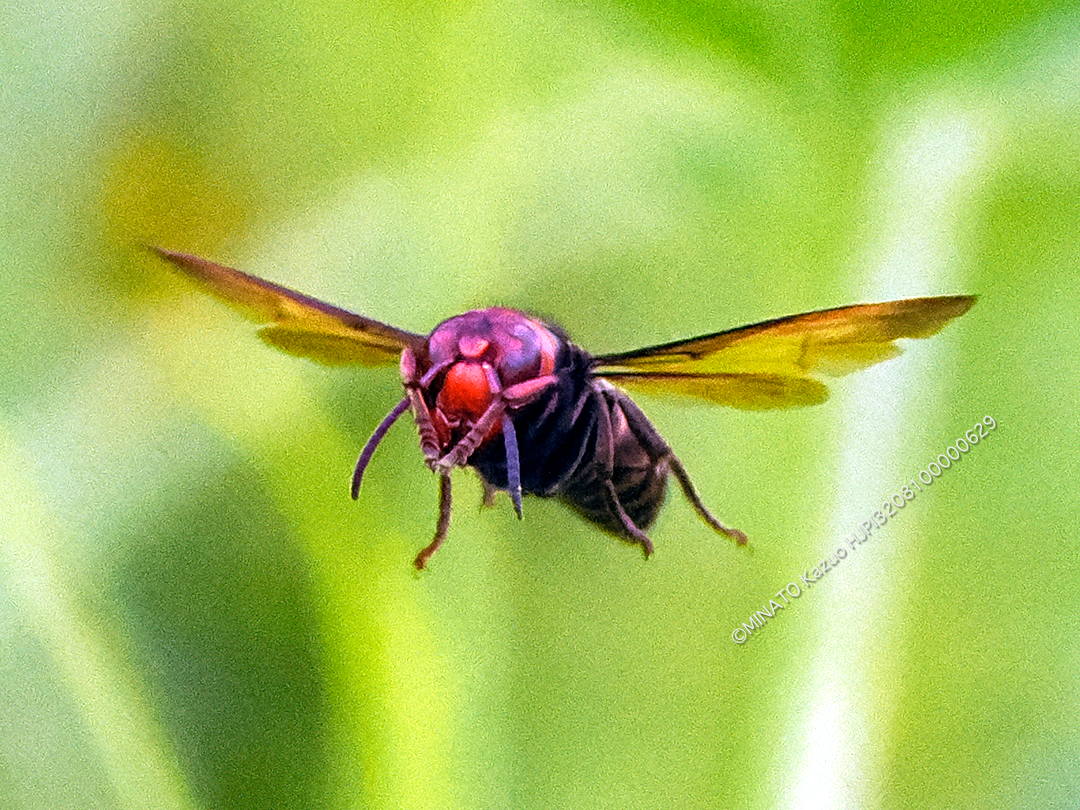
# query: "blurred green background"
{"points": [[194, 614]]}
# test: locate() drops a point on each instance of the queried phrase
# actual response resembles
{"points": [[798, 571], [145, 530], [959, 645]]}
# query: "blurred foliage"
{"points": [[193, 613]]}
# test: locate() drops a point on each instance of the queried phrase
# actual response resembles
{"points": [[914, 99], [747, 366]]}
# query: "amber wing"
{"points": [[297, 323], [775, 364]]}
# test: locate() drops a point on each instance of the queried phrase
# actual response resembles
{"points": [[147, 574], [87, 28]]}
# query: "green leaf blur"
{"points": [[194, 614]]}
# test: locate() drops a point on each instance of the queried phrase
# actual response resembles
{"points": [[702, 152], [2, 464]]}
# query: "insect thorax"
{"points": [[563, 453]]}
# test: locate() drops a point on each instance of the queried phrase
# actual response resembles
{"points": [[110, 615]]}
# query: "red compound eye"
{"points": [[465, 391]]}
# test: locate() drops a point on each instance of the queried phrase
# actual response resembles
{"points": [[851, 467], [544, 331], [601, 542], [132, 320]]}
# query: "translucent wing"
{"points": [[774, 364], [296, 323]]}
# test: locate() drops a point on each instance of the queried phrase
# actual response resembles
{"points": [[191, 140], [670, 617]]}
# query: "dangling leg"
{"points": [[605, 448], [414, 387], [632, 529], [648, 436], [513, 463], [441, 528], [679, 472]]}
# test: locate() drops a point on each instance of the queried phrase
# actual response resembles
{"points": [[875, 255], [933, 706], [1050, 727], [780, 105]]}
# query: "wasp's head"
{"points": [[473, 360]]}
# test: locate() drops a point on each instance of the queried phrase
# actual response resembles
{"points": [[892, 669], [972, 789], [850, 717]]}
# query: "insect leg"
{"points": [[605, 446], [429, 440], [681, 476], [513, 463], [639, 536], [461, 451], [441, 528], [647, 435]]}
